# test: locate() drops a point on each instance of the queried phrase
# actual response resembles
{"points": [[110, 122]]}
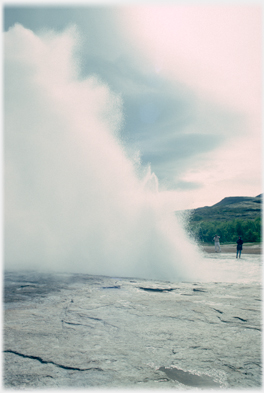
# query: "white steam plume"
{"points": [[73, 199]]}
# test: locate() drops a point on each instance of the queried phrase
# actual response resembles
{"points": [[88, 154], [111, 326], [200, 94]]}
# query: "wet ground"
{"points": [[77, 330], [248, 248]]}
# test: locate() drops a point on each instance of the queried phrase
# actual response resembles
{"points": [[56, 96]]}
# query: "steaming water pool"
{"points": [[78, 330]]}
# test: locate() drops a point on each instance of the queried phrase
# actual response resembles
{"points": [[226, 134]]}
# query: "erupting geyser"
{"points": [[74, 200]]}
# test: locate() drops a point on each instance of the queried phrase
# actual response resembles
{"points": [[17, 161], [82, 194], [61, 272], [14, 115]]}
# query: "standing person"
{"points": [[217, 243], [239, 247]]}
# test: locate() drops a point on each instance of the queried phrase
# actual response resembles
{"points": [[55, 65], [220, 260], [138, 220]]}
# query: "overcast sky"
{"points": [[188, 80]]}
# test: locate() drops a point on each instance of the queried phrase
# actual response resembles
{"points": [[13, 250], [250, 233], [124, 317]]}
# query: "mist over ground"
{"points": [[74, 199]]}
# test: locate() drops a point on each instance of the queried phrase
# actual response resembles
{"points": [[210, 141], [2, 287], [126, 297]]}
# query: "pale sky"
{"points": [[188, 79]]}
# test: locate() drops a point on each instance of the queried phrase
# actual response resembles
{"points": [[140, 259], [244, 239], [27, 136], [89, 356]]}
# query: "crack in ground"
{"points": [[51, 362], [220, 312], [157, 289], [84, 324], [241, 319], [254, 328], [245, 327]]}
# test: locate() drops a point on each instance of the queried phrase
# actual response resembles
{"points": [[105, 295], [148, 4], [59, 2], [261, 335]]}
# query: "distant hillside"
{"points": [[230, 208], [229, 218]]}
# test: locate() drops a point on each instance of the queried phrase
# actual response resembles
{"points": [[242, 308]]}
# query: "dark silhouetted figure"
{"points": [[239, 247]]}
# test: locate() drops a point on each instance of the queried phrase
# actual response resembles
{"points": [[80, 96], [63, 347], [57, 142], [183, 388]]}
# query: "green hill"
{"points": [[229, 218]]}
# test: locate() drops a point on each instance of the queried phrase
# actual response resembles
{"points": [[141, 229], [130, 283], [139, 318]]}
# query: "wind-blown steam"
{"points": [[73, 199]]}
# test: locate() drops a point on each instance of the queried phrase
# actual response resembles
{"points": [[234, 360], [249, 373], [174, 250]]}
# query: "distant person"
{"points": [[217, 243], [239, 247]]}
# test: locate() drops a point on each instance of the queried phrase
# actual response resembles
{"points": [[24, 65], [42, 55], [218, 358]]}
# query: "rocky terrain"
{"points": [[83, 331]]}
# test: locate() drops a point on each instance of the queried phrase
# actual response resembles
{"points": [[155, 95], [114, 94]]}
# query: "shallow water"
{"points": [[78, 330]]}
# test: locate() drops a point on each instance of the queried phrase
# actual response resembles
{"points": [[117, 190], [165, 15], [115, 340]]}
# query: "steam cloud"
{"points": [[74, 200]]}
